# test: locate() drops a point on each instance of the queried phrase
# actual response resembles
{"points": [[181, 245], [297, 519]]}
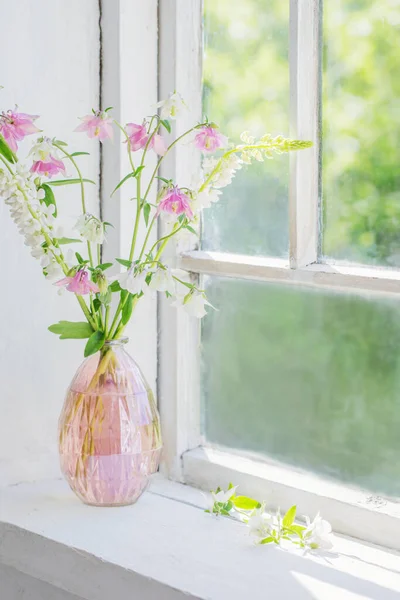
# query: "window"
{"points": [[361, 114], [243, 43], [300, 363]]}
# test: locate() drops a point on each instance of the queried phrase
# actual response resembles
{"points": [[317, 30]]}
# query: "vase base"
{"points": [[111, 505], [101, 497]]}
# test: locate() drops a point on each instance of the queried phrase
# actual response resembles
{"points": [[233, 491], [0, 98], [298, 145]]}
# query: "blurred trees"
{"points": [[246, 86], [309, 377]]}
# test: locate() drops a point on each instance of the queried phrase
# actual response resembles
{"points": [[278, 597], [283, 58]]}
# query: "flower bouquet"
{"points": [[109, 431]]}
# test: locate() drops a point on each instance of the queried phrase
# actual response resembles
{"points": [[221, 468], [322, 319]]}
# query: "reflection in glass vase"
{"points": [[109, 429]]}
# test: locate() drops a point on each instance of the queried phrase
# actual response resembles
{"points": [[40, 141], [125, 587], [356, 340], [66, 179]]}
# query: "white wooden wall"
{"points": [[50, 65]]}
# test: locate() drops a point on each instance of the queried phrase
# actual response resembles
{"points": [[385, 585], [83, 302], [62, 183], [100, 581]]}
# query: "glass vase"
{"points": [[109, 429]]}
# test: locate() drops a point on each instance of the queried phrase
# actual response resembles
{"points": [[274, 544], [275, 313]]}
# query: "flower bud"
{"points": [[101, 280]]}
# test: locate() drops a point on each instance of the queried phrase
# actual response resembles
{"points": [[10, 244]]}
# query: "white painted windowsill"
{"points": [[165, 548]]}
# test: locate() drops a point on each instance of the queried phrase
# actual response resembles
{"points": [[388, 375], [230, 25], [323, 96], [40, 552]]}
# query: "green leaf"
{"points": [[185, 283], [297, 529], [267, 540], [108, 108], [114, 286], [130, 175], [69, 181], [96, 304], [70, 330], [139, 170], [79, 258], [166, 124], [80, 154], [123, 262], [60, 143], [167, 181], [49, 197], [95, 343], [146, 212], [6, 151], [127, 310], [191, 229], [104, 266], [245, 503], [290, 516], [65, 240]]}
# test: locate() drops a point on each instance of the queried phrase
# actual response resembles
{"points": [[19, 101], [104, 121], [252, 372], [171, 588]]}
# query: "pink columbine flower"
{"points": [[79, 284], [158, 144], [49, 167], [175, 202], [138, 138], [97, 125], [209, 139], [14, 126]]}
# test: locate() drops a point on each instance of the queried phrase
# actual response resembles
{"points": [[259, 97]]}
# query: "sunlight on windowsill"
{"points": [[48, 534]]}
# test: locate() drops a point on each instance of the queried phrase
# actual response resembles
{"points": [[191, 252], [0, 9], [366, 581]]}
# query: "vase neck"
{"points": [[118, 343]]}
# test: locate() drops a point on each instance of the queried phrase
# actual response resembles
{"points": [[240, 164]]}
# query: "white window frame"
{"points": [[187, 456]]}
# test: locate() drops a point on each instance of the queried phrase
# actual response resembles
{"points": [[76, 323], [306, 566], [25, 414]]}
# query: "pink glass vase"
{"points": [[109, 429]]}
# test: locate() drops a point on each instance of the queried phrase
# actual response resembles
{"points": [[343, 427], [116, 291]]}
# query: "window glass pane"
{"points": [[361, 131], [246, 87], [307, 377]]}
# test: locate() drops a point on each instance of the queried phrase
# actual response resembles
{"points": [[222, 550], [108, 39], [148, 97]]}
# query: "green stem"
{"points": [[139, 203], [137, 220], [102, 324], [146, 239], [166, 152], [89, 249], [128, 144], [115, 319], [86, 312], [106, 320], [152, 179], [7, 165], [164, 239], [97, 316], [185, 284], [71, 158], [121, 326]]}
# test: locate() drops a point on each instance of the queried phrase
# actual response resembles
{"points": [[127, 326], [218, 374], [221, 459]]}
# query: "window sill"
{"points": [[350, 277], [351, 511], [166, 547]]}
